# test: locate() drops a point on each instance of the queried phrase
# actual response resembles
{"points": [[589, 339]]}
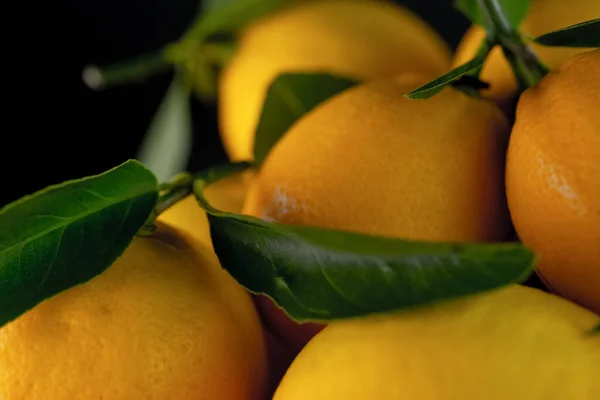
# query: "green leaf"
{"points": [[66, 234], [289, 97], [166, 147], [321, 275], [596, 330], [430, 89], [514, 10], [585, 34], [232, 16]]}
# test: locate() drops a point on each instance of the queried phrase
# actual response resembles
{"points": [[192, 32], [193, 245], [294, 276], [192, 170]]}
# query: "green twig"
{"points": [[170, 193], [219, 54], [528, 69], [179, 188], [212, 175], [136, 69]]}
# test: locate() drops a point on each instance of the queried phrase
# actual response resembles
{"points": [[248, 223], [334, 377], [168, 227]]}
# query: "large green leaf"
{"points": [[321, 275], [66, 234], [585, 34], [289, 97], [166, 147], [514, 10]]}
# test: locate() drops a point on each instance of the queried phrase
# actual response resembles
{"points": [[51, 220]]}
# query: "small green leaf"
{"points": [[232, 16], [596, 330], [435, 86], [514, 10], [321, 275], [585, 34], [66, 234], [289, 97], [166, 147]]}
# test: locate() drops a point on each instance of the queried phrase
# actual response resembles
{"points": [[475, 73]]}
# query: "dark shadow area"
{"points": [[57, 129]]}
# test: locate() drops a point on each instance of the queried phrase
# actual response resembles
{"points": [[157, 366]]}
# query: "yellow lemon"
{"points": [[515, 343], [355, 38], [163, 322], [370, 160]]}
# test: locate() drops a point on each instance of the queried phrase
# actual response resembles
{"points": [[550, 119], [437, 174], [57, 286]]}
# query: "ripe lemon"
{"points": [[356, 38], [369, 160], [553, 177], [163, 322], [543, 16], [514, 343]]}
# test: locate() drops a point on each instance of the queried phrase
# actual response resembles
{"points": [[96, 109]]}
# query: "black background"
{"points": [[55, 128]]}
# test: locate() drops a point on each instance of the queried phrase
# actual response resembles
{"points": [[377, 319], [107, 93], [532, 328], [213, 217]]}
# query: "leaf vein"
{"points": [[54, 257], [291, 99], [336, 289], [67, 221]]}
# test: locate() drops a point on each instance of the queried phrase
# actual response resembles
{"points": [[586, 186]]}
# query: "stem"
{"points": [[172, 197], [218, 54], [212, 175], [221, 171], [494, 15], [164, 202], [179, 188], [137, 69], [183, 184], [528, 69]]}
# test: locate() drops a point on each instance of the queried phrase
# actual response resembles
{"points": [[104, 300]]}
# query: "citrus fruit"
{"points": [[553, 177], [542, 17], [513, 343], [371, 161], [354, 38], [163, 322]]}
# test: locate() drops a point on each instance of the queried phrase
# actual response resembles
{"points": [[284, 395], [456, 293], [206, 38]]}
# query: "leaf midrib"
{"points": [[69, 221]]}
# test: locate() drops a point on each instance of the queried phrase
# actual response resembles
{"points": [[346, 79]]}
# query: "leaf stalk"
{"points": [[528, 68], [180, 187]]}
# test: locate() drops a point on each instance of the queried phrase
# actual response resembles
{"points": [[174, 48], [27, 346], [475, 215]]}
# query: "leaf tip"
{"points": [[409, 95], [415, 95], [423, 93]]}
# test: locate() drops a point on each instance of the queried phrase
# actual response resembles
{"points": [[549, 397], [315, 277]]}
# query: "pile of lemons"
{"points": [[166, 322]]}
